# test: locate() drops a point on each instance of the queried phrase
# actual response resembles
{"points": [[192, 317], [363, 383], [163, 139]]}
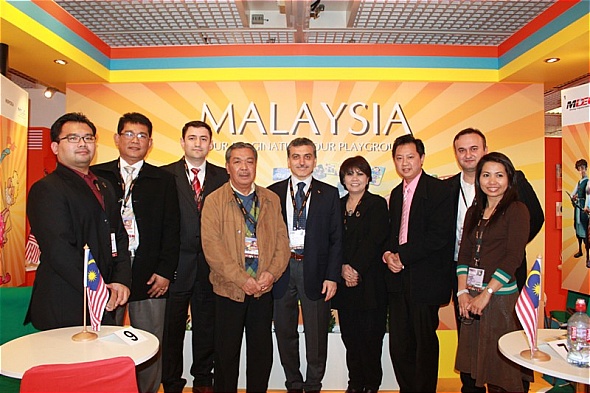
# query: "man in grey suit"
{"points": [[195, 179], [311, 210]]}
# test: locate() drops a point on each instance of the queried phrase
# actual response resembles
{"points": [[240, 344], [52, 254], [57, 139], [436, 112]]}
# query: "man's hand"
{"points": [[251, 287], [159, 285], [329, 289], [119, 295], [393, 261], [265, 280], [351, 277]]}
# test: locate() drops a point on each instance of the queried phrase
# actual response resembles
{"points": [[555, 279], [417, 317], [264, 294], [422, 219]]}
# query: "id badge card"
{"points": [[297, 238], [113, 245], [129, 224], [475, 277], [251, 247]]}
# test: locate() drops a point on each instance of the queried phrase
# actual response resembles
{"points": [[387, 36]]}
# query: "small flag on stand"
{"points": [[32, 250], [97, 291], [527, 305]]}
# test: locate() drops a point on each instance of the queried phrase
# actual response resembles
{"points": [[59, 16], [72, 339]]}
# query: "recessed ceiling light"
{"points": [[552, 60], [60, 61]]}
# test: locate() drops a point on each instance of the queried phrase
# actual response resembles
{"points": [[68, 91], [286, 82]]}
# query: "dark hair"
{"points": [[134, 118], [481, 199], [581, 162], [75, 117], [301, 142], [468, 131], [197, 124], [355, 162], [407, 139], [240, 145]]}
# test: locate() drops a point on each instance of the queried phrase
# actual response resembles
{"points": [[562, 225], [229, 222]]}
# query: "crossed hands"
{"points": [[393, 261], [254, 286], [351, 277]]}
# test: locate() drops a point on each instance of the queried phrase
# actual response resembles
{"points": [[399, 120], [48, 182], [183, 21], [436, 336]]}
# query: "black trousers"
{"points": [[362, 332], [202, 304], [413, 343], [254, 316]]}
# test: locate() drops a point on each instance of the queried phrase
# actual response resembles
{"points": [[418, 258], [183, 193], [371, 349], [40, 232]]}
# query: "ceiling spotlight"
{"points": [[60, 61], [552, 60], [49, 92]]}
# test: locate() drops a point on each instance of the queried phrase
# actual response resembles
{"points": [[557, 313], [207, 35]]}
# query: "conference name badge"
{"points": [[475, 278], [297, 238], [251, 247]]}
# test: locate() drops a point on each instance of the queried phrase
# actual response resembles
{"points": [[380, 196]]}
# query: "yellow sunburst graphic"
{"points": [[537, 289], [92, 276]]}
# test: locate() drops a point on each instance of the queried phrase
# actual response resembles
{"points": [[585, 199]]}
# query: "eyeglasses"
{"points": [[74, 138], [130, 135]]}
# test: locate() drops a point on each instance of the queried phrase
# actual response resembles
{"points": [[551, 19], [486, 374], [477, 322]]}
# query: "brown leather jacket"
{"points": [[223, 230]]}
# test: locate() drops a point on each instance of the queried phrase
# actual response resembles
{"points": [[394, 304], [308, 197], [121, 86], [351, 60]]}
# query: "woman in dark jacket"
{"points": [[361, 297]]}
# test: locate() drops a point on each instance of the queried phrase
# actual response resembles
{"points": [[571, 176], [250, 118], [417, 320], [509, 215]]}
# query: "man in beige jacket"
{"points": [[247, 247]]}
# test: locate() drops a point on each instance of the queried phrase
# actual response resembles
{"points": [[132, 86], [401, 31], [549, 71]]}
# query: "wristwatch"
{"points": [[490, 290]]}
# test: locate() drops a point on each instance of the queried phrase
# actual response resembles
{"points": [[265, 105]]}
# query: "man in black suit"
{"points": [[149, 209], [470, 146], [68, 209], [311, 210], [418, 258], [191, 284]]}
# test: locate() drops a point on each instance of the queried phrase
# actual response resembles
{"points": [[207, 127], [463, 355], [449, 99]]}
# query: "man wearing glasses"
{"points": [[68, 209], [150, 213]]}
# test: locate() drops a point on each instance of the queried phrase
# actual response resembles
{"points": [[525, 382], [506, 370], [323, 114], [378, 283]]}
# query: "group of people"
{"points": [[242, 257]]}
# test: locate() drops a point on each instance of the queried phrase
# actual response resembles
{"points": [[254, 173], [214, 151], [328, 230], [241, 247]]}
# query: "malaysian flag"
{"points": [[32, 250], [527, 305], [97, 291]]}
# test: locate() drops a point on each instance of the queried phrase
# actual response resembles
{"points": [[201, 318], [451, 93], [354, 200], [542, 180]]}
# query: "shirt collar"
{"points": [[307, 182], [252, 189]]}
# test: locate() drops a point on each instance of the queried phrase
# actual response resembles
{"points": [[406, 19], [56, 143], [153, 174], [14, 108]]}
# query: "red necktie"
{"points": [[196, 186]]}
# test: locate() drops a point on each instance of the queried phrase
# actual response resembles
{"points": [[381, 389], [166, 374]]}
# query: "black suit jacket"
{"points": [[155, 206], [526, 194], [323, 238], [365, 235], [426, 255], [192, 262], [65, 215]]}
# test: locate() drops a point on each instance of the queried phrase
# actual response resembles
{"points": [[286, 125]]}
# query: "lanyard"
{"points": [[300, 211], [247, 216], [463, 197], [479, 239], [199, 199]]}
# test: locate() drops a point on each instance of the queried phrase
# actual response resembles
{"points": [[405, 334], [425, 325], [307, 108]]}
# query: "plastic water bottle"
{"points": [[578, 336]]}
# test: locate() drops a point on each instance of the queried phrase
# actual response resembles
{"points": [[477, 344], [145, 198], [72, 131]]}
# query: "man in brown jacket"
{"points": [[247, 247]]}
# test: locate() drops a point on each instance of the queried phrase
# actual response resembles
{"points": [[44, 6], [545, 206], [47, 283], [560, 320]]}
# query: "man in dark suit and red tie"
{"points": [[196, 178], [311, 210], [418, 259], [68, 209]]}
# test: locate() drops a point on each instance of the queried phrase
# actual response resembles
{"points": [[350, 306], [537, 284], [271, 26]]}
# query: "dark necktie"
{"points": [[299, 197], [196, 186]]}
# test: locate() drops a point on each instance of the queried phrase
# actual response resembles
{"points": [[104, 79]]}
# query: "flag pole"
{"points": [[535, 353], [85, 335]]}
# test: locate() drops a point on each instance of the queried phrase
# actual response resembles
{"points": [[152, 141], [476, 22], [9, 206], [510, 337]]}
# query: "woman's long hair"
{"points": [[481, 199]]}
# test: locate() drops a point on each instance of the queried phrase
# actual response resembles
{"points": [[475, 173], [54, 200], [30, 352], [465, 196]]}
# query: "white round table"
{"points": [[57, 347], [511, 344]]}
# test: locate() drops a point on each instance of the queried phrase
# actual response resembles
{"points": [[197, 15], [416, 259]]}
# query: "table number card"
{"points": [[130, 336], [559, 346]]}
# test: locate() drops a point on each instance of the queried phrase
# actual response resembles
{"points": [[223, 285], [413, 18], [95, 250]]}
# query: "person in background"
{"points": [[419, 262], [149, 209], [238, 216], [361, 299], [195, 178], [68, 209], [492, 246], [311, 210]]}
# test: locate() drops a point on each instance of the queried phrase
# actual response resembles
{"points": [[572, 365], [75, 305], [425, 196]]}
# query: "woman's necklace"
{"points": [[351, 206]]}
